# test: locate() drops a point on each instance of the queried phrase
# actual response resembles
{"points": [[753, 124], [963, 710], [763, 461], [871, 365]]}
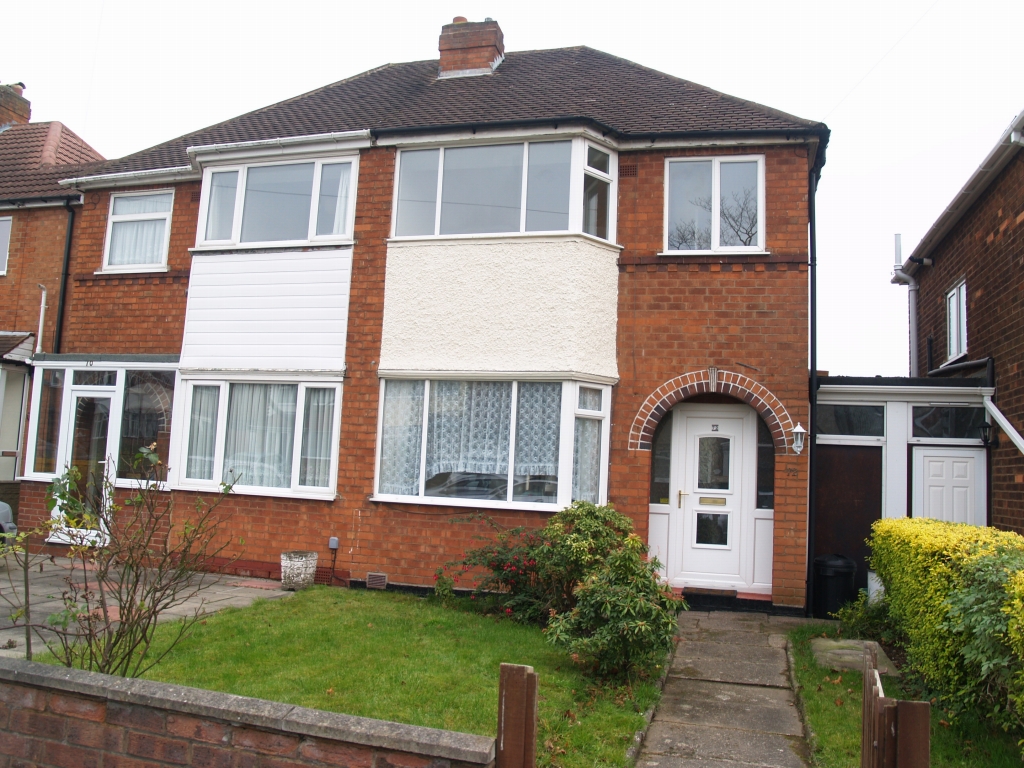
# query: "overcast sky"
{"points": [[916, 94]]}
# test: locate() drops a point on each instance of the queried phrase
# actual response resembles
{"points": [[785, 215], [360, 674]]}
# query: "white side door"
{"points": [[949, 484]]}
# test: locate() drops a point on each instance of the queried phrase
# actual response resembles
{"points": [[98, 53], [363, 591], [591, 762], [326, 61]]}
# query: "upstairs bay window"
{"points": [[138, 232], [278, 203], [505, 188], [538, 445], [714, 204]]}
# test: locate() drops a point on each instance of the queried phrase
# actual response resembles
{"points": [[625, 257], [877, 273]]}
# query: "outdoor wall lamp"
{"points": [[798, 438], [986, 433]]}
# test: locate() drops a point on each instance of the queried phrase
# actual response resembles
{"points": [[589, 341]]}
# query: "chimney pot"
{"points": [[470, 48]]}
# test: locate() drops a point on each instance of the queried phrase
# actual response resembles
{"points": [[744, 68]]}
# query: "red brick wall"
{"points": [[36, 255], [138, 314], [52, 727], [746, 314], [987, 248]]}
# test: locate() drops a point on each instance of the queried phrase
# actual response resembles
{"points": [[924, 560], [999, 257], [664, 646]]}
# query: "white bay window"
{"points": [[522, 187], [276, 438], [714, 204], [524, 444], [276, 203]]}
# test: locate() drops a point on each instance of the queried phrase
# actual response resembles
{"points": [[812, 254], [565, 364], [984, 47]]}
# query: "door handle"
{"points": [[681, 494]]}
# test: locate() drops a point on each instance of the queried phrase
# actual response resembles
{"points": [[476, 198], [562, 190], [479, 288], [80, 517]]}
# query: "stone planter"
{"points": [[298, 569]]}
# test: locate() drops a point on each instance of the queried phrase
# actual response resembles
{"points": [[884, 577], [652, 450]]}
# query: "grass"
{"points": [[397, 657], [832, 702]]}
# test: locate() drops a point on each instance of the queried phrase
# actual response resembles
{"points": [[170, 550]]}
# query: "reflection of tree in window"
{"points": [[693, 234], [738, 213], [661, 461], [145, 416]]}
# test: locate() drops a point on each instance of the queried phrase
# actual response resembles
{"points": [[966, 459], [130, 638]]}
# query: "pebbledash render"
{"points": [[439, 291]]}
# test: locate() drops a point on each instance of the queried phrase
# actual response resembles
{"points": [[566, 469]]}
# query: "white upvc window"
{"points": [[5, 242], [283, 203], [527, 187], [714, 204], [270, 438], [138, 231], [956, 322], [498, 444]]}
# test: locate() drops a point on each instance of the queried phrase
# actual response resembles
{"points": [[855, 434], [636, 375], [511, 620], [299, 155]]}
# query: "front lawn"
{"points": [[398, 657], [832, 701]]}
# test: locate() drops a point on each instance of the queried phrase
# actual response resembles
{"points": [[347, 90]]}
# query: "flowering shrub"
{"points": [[624, 619]]}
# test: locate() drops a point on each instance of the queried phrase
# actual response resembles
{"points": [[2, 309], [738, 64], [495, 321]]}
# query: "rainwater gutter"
{"points": [[812, 486]]}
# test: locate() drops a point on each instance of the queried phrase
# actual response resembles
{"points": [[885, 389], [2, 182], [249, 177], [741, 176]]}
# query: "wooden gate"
{"points": [[894, 734]]}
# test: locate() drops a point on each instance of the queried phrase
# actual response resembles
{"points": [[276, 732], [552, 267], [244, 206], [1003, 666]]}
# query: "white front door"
{"points": [[949, 484], [712, 499]]}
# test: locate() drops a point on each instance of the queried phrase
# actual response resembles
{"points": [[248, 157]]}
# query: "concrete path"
{"points": [[728, 701], [46, 586]]}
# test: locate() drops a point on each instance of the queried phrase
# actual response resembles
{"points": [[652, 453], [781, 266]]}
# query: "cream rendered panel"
{"points": [[267, 311], [12, 384], [516, 305]]}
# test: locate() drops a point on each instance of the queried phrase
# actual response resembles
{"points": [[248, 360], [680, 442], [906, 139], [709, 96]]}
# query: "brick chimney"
{"points": [[14, 108], [470, 48]]}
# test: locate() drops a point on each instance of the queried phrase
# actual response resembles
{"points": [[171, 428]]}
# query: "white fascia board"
{"points": [[384, 373], [1007, 146], [259, 374], [502, 237], [842, 393], [41, 203], [469, 136], [711, 142], [289, 146], [134, 178]]}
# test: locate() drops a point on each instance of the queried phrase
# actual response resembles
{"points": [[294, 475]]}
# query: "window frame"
{"points": [[180, 435], [716, 202], [112, 219], [577, 169], [566, 437], [958, 293], [5, 255], [312, 238]]}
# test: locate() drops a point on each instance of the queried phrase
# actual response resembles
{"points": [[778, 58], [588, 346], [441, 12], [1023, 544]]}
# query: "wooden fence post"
{"points": [[517, 717], [913, 734], [894, 734]]}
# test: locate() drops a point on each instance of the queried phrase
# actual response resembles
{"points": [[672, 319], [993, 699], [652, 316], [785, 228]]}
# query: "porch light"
{"points": [[986, 432], [798, 438]]}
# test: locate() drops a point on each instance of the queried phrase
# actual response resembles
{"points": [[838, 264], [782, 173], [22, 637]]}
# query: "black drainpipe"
{"points": [[59, 331], [812, 447]]}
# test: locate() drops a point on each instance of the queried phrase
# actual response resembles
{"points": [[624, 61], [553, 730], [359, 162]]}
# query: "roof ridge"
{"points": [[48, 152]]}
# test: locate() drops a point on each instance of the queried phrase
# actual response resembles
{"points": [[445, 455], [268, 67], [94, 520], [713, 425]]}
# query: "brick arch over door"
{"points": [[744, 388]]}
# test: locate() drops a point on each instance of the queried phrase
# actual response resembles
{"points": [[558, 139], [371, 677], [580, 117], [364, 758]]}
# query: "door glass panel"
{"points": [[89, 448], [713, 463], [713, 529]]}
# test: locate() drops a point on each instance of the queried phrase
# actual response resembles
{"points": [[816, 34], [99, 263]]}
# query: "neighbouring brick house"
{"points": [[970, 307], [35, 211], [491, 283]]}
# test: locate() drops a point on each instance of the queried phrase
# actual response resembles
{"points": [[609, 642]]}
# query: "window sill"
{"points": [[288, 245], [723, 252], [957, 359], [438, 501], [280, 493], [135, 270], [555, 236]]}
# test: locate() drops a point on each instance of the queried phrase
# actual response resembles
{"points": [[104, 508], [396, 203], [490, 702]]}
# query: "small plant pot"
{"points": [[298, 569]]}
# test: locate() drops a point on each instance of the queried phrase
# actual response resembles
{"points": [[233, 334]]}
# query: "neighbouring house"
{"points": [[969, 274], [489, 284], [35, 215]]}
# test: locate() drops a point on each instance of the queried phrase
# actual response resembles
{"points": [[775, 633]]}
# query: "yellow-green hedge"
{"points": [[921, 563]]}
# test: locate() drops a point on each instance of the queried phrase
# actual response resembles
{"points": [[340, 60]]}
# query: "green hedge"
{"points": [[956, 593]]}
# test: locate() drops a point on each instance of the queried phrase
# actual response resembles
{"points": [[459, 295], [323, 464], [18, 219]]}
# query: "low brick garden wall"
{"points": [[56, 716]]}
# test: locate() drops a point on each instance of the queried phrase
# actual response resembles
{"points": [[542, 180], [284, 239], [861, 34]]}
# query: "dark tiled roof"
{"points": [[35, 156], [562, 84]]}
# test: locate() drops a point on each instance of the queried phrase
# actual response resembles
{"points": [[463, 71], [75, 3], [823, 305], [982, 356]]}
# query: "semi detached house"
{"points": [[492, 283]]}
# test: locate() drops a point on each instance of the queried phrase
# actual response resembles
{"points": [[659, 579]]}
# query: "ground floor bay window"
{"points": [[522, 444], [263, 437]]}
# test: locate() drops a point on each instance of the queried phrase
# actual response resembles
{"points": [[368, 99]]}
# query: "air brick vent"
{"points": [[376, 581], [627, 171]]}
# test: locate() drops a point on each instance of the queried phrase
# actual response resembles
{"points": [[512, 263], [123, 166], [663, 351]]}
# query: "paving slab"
{"points": [[699, 650], [728, 637], [697, 742], [671, 761], [772, 674], [754, 708], [849, 654]]}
